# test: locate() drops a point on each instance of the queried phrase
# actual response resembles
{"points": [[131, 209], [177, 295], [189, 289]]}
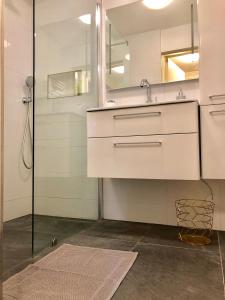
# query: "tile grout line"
{"points": [[221, 263], [139, 241], [90, 227], [136, 243], [177, 247], [146, 243]]}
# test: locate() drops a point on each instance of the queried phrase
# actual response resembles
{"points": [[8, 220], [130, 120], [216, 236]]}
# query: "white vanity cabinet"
{"points": [[211, 18], [149, 142], [213, 141]]}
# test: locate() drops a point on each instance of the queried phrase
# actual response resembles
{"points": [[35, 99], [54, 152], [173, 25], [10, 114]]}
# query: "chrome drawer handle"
{"points": [[138, 144], [217, 112], [213, 97], [141, 115]]}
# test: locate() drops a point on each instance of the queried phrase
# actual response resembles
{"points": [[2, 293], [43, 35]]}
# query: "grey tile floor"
{"points": [[166, 269]]}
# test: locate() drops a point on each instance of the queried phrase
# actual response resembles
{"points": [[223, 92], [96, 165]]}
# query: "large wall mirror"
{"points": [[155, 40]]}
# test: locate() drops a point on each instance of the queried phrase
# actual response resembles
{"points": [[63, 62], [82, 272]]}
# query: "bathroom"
{"points": [[112, 143]]}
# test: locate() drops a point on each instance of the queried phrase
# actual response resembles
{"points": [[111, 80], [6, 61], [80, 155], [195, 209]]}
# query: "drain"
{"points": [[54, 241]]}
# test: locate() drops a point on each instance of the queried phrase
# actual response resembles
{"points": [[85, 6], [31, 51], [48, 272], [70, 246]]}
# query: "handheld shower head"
{"points": [[30, 82]]}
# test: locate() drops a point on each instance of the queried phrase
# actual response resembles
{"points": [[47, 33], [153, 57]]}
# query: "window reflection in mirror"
{"points": [[160, 44]]}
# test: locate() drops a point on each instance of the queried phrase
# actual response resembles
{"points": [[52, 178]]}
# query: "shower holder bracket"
{"points": [[26, 100]]}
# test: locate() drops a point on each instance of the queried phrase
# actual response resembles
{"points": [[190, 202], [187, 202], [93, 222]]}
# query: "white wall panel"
{"points": [[18, 65]]}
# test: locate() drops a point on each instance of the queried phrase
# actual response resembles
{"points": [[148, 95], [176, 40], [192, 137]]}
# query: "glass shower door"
{"points": [[65, 201]]}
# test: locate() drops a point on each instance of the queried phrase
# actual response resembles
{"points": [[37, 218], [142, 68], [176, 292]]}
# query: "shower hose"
{"points": [[27, 134]]}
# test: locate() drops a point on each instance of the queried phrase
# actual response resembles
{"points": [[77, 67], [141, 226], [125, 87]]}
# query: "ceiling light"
{"points": [[127, 56], [156, 4], [188, 58], [119, 69], [85, 19]]}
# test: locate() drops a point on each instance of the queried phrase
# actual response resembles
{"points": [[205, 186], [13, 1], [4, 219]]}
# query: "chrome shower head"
{"points": [[30, 82]]}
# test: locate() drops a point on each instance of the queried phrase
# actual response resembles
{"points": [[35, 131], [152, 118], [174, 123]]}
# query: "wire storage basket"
{"points": [[195, 219]]}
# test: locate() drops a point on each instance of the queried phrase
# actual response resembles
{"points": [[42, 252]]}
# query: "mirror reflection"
{"points": [[153, 40]]}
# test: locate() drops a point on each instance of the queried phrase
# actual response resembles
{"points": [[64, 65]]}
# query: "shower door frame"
{"points": [[100, 87], [1, 135], [100, 94], [33, 125]]}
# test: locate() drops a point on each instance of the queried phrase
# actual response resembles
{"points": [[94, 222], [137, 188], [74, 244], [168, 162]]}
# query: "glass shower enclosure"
{"points": [[65, 201]]}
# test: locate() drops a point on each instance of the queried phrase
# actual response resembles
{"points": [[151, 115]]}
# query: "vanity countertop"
{"points": [[140, 105]]}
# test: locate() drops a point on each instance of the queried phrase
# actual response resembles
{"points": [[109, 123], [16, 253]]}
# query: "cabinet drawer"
{"points": [[213, 141], [149, 157], [159, 119]]}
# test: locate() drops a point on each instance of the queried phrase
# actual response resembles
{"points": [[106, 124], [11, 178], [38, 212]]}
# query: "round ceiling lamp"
{"points": [[157, 4]]}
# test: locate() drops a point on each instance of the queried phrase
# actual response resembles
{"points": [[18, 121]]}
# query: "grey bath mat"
{"points": [[71, 273]]}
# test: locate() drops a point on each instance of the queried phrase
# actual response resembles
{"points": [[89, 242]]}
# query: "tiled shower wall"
{"points": [[18, 65]]}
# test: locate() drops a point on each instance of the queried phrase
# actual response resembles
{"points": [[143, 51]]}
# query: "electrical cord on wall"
{"points": [[210, 189], [27, 134]]}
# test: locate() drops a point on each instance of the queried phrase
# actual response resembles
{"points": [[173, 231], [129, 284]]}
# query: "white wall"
{"points": [[178, 37], [18, 65], [1, 123], [114, 3], [153, 201]]}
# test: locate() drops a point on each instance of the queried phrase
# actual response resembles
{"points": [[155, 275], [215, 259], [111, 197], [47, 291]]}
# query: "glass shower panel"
{"points": [[65, 200]]}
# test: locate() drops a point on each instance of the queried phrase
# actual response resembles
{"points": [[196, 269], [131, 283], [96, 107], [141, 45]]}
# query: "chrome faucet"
{"points": [[145, 83]]}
